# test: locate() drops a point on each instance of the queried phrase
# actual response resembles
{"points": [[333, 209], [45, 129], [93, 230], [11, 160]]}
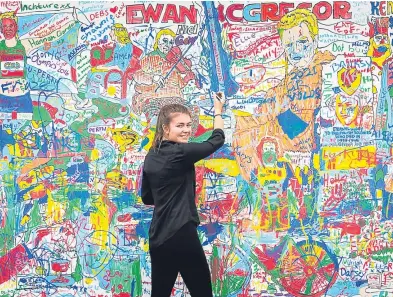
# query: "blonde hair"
{"points": [[121, 33], [163, 32], [292, 19], [9, 15], [295, 18]]}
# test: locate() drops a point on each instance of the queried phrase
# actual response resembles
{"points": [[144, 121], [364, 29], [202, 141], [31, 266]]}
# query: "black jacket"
{"points": [[168, 183]]}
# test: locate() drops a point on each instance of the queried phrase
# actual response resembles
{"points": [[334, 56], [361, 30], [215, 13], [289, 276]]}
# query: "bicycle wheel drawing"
{"points": [[308, 268], [231, 271]]}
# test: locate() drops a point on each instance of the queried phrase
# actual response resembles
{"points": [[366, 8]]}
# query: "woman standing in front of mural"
{"points": [[169, 184]]}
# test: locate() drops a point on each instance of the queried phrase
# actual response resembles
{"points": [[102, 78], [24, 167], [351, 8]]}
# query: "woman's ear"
{"points": [[165, 128]]}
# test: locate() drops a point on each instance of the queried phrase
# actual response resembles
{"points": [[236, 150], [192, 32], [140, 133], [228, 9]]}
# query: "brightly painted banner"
{"points": [[299, 200]]}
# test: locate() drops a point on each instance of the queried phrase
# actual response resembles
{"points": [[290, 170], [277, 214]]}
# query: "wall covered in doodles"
{"points": [[299, 200]]}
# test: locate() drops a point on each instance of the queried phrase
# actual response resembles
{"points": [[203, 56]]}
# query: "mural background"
{"points": [[298, 202]]}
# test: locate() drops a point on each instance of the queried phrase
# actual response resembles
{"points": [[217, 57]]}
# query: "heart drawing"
{"points": [[349, 80], [113, 9]]}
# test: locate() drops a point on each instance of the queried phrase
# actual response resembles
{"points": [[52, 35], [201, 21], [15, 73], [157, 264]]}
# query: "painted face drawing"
{"points": [[382, 44], [9, 28], [165, 43], [269, 154], [347, 109], [299, 45]]}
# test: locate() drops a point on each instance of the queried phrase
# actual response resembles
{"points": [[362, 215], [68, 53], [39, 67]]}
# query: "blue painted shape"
{"points": [[21, 103], [142, 229], [123, 200], [5, 138], [83, 195], [254, 16], [211, 231], [220, 61], [28, 23], [291, 123], [80, 172], [27, 208], [224, 152]]}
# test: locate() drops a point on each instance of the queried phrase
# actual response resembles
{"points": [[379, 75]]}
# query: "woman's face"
{"points": [[179, 129]]}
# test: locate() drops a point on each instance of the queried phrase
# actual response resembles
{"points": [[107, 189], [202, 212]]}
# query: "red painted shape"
{"points": [[12, 262]]}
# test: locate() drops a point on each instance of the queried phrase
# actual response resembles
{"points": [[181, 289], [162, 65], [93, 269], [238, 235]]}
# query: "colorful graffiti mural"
{"points": [[298, 202]]}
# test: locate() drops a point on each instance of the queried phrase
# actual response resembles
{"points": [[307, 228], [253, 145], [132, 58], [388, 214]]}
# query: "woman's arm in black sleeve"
{"points": [[194, 152]]}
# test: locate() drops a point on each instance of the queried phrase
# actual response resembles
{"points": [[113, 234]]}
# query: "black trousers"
{"points": [[181, 253]]}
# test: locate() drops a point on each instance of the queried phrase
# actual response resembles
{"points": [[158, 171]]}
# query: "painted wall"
{"points": [[297, 203]]}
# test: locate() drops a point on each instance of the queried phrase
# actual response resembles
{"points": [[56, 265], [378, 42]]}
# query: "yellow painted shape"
{"points": [[117, 179], [268, 174], [224, 166], [88, 280], [111, 90], [95, 155], [28, 180], [145, 245], [18, 151], [205, 118], [316, 162], [347, 86], [149, 136], [35, 124], [40, 270], [124, 137], [25, 220], [345, 158], [56, 210], [240, 113], [100, 221], [379, 193]]}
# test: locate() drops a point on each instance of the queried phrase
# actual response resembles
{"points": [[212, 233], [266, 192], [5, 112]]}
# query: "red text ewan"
{"points": [[138, 14]]}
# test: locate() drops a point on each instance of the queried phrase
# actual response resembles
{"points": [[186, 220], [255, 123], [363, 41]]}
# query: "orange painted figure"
{"points": [[287, 115], [163, 75], [289, 110]]}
